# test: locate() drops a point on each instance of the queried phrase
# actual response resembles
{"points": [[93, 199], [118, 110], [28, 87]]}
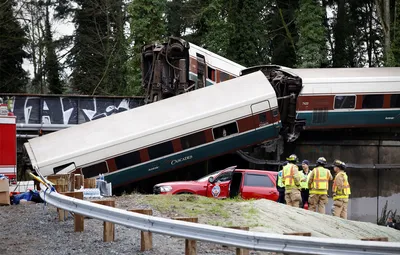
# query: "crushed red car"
{"points": [[227, 183]]}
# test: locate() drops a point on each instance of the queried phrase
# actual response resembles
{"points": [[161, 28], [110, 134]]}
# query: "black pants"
{"points": [[305, 193], [281, 198]]}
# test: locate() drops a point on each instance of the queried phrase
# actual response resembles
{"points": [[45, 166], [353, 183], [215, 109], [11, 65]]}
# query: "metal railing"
{"points": [[220, 235]]}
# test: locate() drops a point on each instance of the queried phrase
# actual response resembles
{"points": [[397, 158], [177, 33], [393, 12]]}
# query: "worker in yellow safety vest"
{"points": [[341, 190], [318, 183], [305, 192], [291, 180]]}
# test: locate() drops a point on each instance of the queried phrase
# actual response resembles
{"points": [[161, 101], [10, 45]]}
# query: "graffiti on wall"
{"points": [[66, 110]]}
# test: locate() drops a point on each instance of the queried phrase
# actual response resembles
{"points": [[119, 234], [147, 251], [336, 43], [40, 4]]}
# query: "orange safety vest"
{"points": [[345, 192], [320, 183]]}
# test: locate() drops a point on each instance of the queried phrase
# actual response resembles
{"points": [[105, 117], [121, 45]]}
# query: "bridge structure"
{"points": [[37, 113]]}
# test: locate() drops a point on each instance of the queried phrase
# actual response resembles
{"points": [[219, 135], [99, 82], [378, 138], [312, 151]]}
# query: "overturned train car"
{"points": [[163, 135]]}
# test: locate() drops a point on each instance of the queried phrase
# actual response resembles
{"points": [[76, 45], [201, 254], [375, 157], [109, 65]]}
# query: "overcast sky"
{"points": [[59, 28]]}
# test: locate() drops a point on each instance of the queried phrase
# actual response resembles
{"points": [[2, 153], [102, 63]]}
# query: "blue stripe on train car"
{"points": [[190, 156], [356, 118]]}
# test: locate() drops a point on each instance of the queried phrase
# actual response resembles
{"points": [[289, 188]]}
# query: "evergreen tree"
{"points": [[52, 66], [175, 16], [283, 32], [98, 55], [245, 41], [395, 47], [311, 50], [147, 26], [219, 27], [12, 40]]}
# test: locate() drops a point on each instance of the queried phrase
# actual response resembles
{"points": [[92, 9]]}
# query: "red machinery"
{"points": [[8, 144]]}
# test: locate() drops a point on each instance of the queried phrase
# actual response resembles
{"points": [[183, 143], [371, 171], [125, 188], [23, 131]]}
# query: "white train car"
{"points": [[164, 135], [349, 97], [217, 68], [177, 66], [331, 98]]}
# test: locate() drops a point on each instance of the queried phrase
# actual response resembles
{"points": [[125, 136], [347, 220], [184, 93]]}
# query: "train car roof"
{"points": [[349, 80], [216, 61], [150, 119]]}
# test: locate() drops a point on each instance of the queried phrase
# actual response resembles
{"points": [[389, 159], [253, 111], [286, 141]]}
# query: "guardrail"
{"points": [[230, 237]]}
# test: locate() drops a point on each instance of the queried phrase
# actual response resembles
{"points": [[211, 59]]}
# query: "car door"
{"points": [[259, 185], [219, 188]]}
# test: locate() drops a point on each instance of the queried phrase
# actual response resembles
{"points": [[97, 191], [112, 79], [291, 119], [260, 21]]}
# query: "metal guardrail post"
{"points": [[146, 237]]}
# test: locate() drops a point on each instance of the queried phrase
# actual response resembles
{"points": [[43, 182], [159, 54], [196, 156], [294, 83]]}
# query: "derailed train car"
{"points": [[163, 135]]}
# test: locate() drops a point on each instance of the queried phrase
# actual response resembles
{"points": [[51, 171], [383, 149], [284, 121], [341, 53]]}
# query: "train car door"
{"points": [[321, 104], [201, 71], [261, 110]]}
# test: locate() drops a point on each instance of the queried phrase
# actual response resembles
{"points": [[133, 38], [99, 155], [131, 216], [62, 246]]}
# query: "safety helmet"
{"points": [[321, 161], [339, 164], [292, 158]]}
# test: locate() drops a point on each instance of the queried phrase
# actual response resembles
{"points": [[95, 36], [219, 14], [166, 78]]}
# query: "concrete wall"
{"points": [[371, 188]]}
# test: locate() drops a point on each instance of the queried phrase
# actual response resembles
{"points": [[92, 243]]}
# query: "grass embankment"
{"points": [[217, 212]]}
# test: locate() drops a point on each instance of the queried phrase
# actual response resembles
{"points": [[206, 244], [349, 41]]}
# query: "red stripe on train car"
{"points": [[209, 135], [193, 65], [248, 123], [309, 103], [386, 101], [176, 144], [144, 155], [112, 167], [359, 101], [77, 171]]}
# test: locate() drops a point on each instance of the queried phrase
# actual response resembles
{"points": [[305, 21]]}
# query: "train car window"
{"points": [[262, 117], [372, 101], [223, 76], [275, 112], [225, 130], [160, 150], [395, 101], [345, 102], [211, 73], [126, 160], [193, 140], [258, 180], [94, 170]]}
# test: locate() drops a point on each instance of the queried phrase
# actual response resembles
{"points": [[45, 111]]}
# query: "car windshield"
{"points": [[202, 179]]}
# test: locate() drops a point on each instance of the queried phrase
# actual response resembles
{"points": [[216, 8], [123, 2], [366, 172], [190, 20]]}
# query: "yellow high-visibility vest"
{"points": [[288, 176], [345, 192], [280, 183], [304, 179], [320, 183]]}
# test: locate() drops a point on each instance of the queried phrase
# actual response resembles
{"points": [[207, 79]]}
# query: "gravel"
{"points": [[31, 228], [35, 229]]}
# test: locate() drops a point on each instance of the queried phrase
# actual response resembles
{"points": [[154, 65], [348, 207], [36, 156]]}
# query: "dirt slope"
{"points": [[259, 215]]}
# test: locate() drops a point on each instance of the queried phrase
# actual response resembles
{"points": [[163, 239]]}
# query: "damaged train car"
{"points": [[164, 135]]}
